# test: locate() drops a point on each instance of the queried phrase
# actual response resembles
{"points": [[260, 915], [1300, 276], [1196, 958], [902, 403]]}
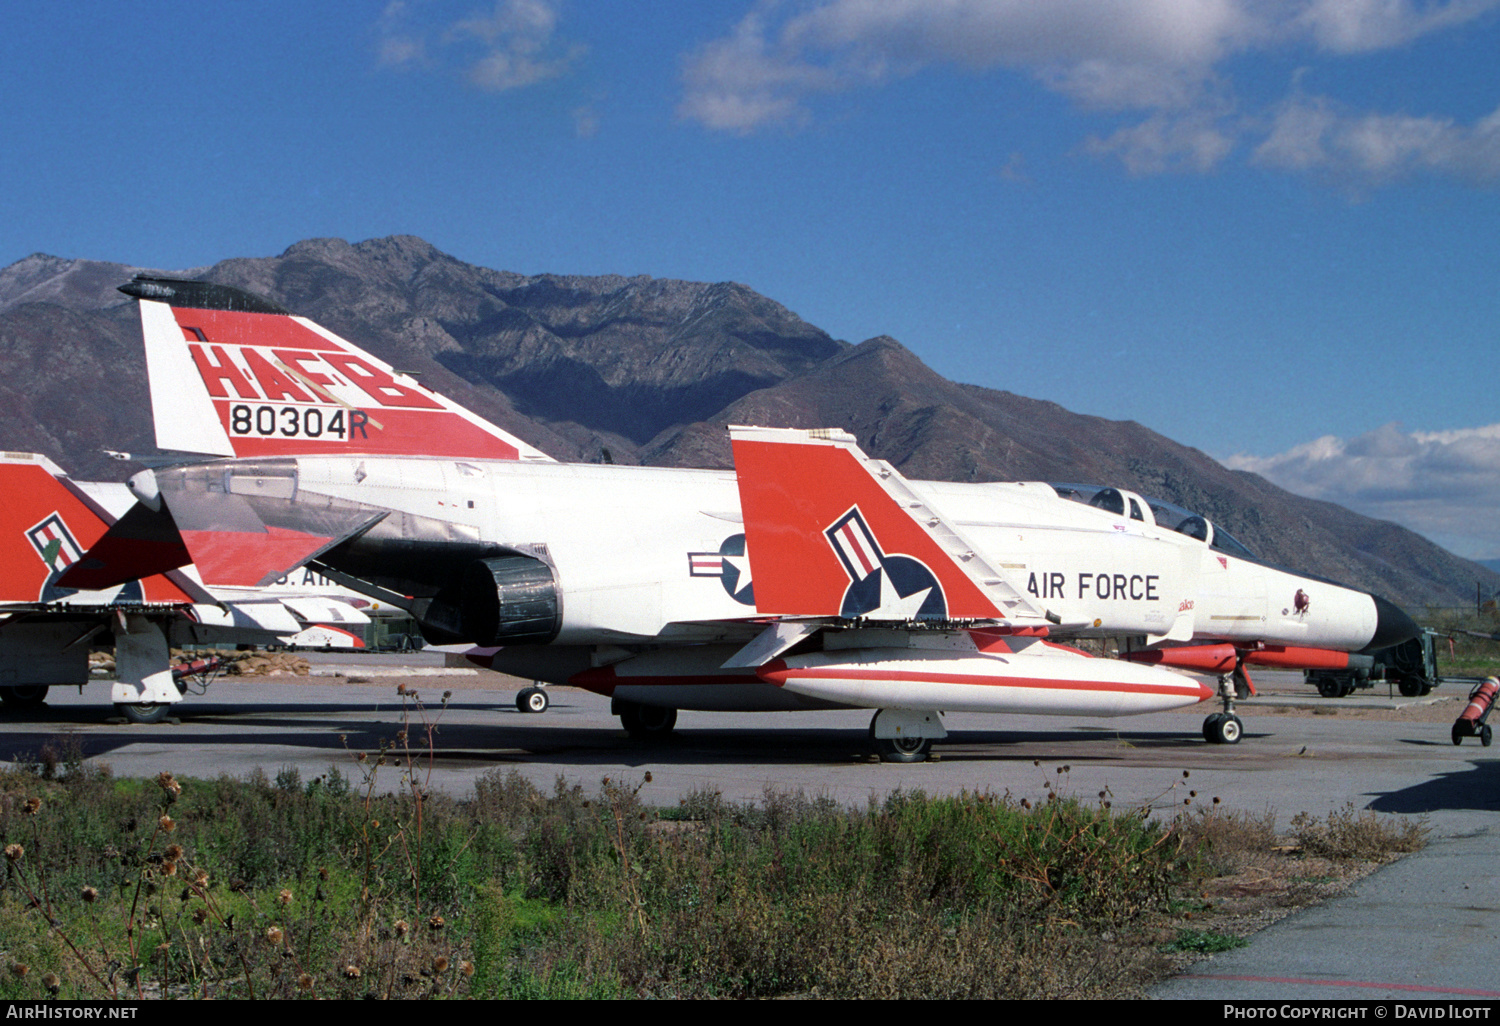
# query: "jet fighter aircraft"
{"points": [[810, 577]]}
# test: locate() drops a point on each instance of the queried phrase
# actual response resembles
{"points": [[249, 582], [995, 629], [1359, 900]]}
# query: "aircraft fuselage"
{"points": [[643, 555]]}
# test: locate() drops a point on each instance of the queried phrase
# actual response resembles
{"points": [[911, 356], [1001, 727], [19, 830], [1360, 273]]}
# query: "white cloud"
{"points": [[1109, 53], [1317, 134], [1353, 26], [585, 121], [1444, 485], [399, 47], [512, 45], [1166, 143], [1162, 58], [745, 81]]}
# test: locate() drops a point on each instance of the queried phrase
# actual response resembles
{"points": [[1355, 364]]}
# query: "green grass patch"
{"points": [[1205, 942], [333, 888]]}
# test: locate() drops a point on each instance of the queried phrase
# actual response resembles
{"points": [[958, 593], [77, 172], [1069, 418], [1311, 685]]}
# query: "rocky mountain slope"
{"points": [[646, 370]]}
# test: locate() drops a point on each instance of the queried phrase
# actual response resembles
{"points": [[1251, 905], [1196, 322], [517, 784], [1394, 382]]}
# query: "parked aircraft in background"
{"points": [[810, 577], [47, 523]]}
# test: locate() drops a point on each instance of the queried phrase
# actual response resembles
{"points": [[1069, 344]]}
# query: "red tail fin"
{"points": [[236, 375], [47, 524]]}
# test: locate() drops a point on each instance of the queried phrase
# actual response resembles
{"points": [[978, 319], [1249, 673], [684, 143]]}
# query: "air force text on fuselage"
{"points": [[1119, 587]]}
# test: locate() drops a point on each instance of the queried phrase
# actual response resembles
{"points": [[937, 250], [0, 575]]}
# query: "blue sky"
{"points": [[1265, 228]]}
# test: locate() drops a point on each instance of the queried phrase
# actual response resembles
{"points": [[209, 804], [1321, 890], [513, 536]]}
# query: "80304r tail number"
{"points": [[267, 420]]}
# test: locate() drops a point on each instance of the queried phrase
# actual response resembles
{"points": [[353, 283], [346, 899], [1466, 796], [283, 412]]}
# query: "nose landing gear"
{"points": [[1224, 728]]}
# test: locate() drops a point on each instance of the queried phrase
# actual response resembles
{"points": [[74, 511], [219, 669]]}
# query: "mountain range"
{"points": [[642, 370]]}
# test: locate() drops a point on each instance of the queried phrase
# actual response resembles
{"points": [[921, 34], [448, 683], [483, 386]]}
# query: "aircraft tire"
{"points": [[532, 700], [1223, 729], [903, 749], [647, 721], [1329, 686], [143, 712], [24, 697]]}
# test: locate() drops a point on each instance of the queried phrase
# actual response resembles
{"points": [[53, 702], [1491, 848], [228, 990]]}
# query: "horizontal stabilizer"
{"points": [[143, 541], [206, 514], [254, 558]]}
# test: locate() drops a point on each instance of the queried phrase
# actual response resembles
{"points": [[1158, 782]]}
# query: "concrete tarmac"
{"points": [[1422, 929]]}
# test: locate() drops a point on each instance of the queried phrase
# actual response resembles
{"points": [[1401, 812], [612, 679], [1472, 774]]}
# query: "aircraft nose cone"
{"points": [[1392, 625]]}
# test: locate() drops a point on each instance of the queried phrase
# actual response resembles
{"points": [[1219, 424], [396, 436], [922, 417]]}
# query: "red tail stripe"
{"points": [[857, 549]]}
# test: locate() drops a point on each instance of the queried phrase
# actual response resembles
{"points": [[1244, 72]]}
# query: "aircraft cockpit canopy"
{"points": [[1112, 500], [1163, 514]]}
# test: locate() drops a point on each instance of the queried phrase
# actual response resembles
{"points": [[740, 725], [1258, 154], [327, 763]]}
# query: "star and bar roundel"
{"points": [[883, 585], [879, 584], [730, 565]]}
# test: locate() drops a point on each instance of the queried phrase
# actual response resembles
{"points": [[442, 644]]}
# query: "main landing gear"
{"points": [[1224, 728], [24, 697], [904, 735], [644, 722], [903, 749], [532, 700], [145, 689]]}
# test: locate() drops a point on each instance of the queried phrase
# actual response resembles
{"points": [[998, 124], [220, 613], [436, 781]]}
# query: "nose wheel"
{"points": [[1224, 728]]}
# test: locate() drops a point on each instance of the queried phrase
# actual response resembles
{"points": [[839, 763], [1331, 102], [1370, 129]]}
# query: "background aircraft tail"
{"points": [[233, 374], [47, 524]]}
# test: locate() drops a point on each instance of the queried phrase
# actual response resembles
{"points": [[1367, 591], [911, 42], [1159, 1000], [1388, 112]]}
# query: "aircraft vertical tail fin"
{"points": [[233, 374], [831, 532]]}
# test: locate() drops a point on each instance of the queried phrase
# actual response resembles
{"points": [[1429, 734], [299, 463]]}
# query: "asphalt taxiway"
{"points": [[1420, 929]]}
